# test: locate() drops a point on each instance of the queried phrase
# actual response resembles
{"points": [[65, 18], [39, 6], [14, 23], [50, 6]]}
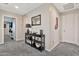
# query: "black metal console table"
{"points": [[35, 40]]}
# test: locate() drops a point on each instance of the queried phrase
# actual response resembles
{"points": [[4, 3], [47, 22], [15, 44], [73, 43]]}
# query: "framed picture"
{"points": [[36, 20], [4, 25], [56, 25]]}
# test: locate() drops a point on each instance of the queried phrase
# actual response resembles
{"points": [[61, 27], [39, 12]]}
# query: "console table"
{"points": [[35, 40]]}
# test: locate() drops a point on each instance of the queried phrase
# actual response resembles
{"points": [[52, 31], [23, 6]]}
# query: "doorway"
{"points": [[9, 29], [68, 28]]}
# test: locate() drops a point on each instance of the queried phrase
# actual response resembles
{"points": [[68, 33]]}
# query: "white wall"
{"points": [[54, 33], [24, 22], [1, 30], [70, 24], [18, 25], [46, 19]]}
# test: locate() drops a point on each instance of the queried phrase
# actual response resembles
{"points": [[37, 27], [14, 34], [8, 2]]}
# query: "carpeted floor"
{"points": [[19, 49], [22, 49], [65, 49], [7, 38], [13, 48]]}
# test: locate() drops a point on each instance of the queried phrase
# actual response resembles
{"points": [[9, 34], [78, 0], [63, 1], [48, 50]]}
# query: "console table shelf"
{"points": [[32, 40]]}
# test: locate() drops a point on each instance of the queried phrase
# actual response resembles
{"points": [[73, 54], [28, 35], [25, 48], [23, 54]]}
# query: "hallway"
{"points": [[56, 26]]}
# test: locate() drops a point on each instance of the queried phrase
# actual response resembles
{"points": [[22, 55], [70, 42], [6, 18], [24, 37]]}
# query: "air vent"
{"points": [[77, 4], [68, 6]]}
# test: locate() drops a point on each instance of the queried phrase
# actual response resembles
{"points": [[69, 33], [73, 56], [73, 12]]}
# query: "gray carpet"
{"points": [[7, 38], [65, 49], [19, 49], [13, 48]]}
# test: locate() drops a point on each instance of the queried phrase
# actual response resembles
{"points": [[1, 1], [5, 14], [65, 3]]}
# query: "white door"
{"points": [[68, 28]]}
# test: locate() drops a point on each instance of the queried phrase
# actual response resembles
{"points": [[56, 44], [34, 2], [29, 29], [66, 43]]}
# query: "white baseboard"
{"points": [[2, 43], [72, 43], [52, 47], [48, 50], [19, 39]]}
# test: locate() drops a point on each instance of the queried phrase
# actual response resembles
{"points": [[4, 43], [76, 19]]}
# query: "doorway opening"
{"points": [[9, 29]]}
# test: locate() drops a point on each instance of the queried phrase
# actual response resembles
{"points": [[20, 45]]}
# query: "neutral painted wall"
{"points": [[18, 25], [54, 33], [46, 24], [71, 30], [24, 22], [1, 30]]}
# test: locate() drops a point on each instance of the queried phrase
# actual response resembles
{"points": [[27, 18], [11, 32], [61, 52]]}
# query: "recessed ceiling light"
{"points": [[16, 7]]}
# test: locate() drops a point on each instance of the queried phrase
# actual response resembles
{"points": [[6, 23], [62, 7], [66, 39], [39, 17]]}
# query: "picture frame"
{"points": [[56, 25], [4, 25], [36, 20]]}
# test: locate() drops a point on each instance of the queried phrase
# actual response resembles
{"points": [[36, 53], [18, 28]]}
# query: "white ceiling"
{"points": [[26, 7], [60, 6], [23, 7]]}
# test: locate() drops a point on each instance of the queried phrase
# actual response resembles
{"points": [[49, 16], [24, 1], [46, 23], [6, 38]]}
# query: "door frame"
{"points": [[63, 30], [3, 26]]}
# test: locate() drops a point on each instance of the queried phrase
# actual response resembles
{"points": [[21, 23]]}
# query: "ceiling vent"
{"points": [[77, 4], [68, 6]]}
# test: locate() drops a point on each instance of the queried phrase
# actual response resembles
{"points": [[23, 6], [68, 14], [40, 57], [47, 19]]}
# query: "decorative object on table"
{"points": [[41, 32], [36, 20], [28, 26], [37, 44]]}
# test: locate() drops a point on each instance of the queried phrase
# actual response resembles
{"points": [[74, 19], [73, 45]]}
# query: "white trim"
{"points": [[19, 39], [52, 47], [48, 50]]}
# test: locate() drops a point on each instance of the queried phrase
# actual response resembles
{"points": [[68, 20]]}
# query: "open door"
{"points": [[9, 29]]}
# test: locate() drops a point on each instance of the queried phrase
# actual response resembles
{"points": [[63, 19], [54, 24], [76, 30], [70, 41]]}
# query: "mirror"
{"points": [[36, 20]]}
